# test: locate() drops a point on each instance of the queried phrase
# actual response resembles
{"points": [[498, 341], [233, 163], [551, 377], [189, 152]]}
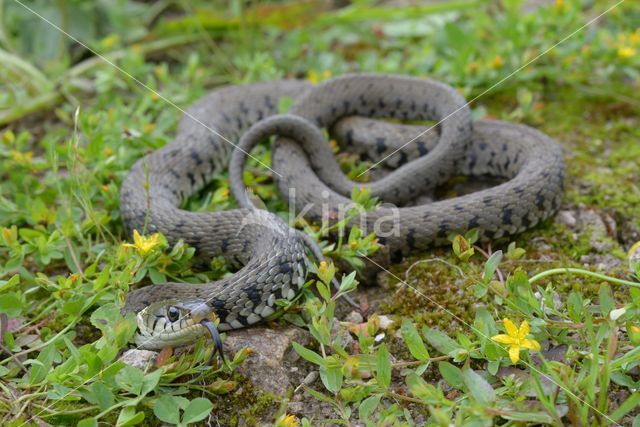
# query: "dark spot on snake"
{"points": [[422, 149], [482, 146], [192, 178], [411, 241], [505, 147], [398, 102], [285, 268], [349, 136], [540, 199], [259, 114], [195, 156], [403, 158], [253, 294], [473, 223], [380, 145], [413, 106], [506, 216], [458, 208], [363, 102], [269, 103], [174, 173], [473, 159], [443, 230], [381, 103]]}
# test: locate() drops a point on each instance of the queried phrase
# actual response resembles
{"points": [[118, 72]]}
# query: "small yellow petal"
{"points": [[514, 353], [511, 329], [531, 344], [137, 239], [504, 339], [524, 330]]}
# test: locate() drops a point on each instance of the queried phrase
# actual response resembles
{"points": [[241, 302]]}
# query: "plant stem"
{"points": [[580, 271]]}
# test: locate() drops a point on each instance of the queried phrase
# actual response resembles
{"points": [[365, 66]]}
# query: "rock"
{"points": [[268, 367], [354, 317], [385, 322], [567, 218], [601, 262], [140, 359], [590, 221]]}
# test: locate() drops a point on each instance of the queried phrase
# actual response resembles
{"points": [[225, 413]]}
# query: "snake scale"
{"points": [[272, 256]]}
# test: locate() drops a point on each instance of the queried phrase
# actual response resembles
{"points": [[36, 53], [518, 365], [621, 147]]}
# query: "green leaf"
{"points": [[150, 381], [331, 375], [481, 390], [320, 396], [309, 355], [88, 422], [491, 266], [197, 410], [528, 417], [284, 104], [102, 395], [413, 340], [441, 341], [156, 276], [43, 364], [166, 409], [367, 406], [11, 304], [323, 290], [420, 389], [348, 283], [129, 417], [606, 300], [130, 379], [383, 367], [452, 375], [7, 284]]}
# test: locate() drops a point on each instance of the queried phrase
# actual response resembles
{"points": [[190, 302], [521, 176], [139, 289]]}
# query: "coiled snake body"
{"points": [[272, 255]]}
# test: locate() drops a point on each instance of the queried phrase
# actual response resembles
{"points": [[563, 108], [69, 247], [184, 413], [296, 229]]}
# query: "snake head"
{"points": [[174, 323]]}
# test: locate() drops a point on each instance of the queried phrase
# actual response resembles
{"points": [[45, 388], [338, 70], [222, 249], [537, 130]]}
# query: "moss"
{"points": [[245, 405]]}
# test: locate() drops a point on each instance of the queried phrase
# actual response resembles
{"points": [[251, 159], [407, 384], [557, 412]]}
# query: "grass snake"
{"points": [[271, 256]]}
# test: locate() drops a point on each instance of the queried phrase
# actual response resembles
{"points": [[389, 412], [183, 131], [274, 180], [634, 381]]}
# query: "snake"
{"points": [[419, 131]]}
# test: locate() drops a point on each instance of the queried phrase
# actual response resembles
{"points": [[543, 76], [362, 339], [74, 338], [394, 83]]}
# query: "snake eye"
{"points": [[173, 313]]}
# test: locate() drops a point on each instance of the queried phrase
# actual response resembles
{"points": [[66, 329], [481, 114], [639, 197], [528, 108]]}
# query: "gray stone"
{"points": [[269, 365], [566, 218], [140, 359], [354, 317]]}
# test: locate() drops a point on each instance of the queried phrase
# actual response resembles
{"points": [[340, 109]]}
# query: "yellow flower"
{"points": [[497, 62], [314, 77], [287, 421], [516, 339], [143, 244], [323, 265], [634, 38], [626, 52]]}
